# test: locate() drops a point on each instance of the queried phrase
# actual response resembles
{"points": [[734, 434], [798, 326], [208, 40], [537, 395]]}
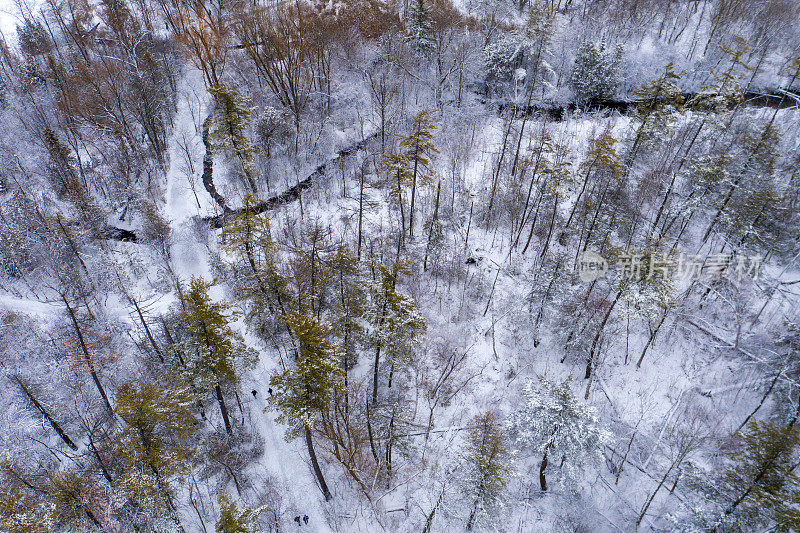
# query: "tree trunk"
{"points": [[103, 468], [580, 195], [542, 467], [471, 519], [147, 331], [433, 223], [650, 340], [720, 211], [549, 231], [361, 209], [377, 359], [389, 442], [496, 176], [317, 471], [371, 436], [45, 414], [375, 375], [413, 198], [469, 225], [764, 470], [590, 359], [653, 495], [524, 120], [429, 519], [86, 355], [92, 517], [624, 459], [761, 403], [402, 212], [224, 409]]}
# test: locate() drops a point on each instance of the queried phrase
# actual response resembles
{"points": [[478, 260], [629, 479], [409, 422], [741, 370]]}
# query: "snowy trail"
{"points": [[27, 306], [283, 462], [185, 150], [286, 462]]}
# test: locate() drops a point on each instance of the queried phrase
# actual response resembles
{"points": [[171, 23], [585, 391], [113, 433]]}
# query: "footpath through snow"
{"points": [[284, 463]]}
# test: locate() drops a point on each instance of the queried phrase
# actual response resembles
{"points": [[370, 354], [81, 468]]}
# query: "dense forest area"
{"points": [[413, 266]]}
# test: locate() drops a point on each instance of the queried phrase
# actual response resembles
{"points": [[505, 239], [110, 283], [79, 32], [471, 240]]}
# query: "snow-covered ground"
{"points": [[483, 299]]}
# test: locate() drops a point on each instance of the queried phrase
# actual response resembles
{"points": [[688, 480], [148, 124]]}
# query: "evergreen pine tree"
{"points": [[411, 165], [537, 40], [304, 392], [78, 501], [220, 355], [750, 207], [348, 304], [232, 519], [502, 57], [602, 165], [247, 238], [395, 168], [152, 445], [419, 27], [417, 149], [23, 512], [552, 422], [761, 485], [488, 468], [231, 118], [660, 100], [596, 74], [395, 323]]}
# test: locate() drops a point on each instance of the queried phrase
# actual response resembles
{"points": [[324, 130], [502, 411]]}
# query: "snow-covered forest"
{"points": [[403, 266]]}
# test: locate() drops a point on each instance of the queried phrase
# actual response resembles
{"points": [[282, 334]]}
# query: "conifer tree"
{"points": [[660, 99], [554, 423], [761, 484], [79, 503], [82, 351], [752, 196], [418, 26], [602, 164], [418, 149], [488, 467], [411, 164], [247, 237], [152, 445], [309, 266], [537, 39], [63, 175], [551, 170], [436, 241], [232, 519], [304, 392], [395, 322], [231, 118], [596, 74], [21, 512], [348, 304], [395, 168], [502, 58], [220, 355]]}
